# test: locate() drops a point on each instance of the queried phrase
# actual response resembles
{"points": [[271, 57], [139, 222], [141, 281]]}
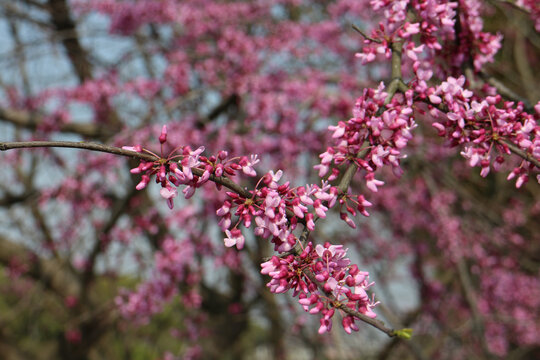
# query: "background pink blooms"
{"points": [[261, 129]]}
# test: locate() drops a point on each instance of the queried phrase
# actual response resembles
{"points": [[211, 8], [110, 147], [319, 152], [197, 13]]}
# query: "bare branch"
{"points": [[62, 21], [30, 121], [357, 29]]}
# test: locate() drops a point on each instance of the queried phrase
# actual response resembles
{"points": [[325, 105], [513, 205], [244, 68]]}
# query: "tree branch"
{"points": [[32, 121], [358, 30], [62, 21], [222, 180], [516, 150], [512, 147], [345, 181]]}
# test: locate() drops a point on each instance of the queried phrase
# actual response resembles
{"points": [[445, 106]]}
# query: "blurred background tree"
{"points": [[454, 256]]}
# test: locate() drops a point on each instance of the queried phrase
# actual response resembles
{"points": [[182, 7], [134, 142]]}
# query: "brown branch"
{"points": [[62, 21], [358, 30], [20, 55], [10, 199], [42, 224], [13, 12], [506, 91], [346, 179], [523, 66], [397, 48], [516, 150], [32, 121], [222, 180], [415, 349], [76, 145]]}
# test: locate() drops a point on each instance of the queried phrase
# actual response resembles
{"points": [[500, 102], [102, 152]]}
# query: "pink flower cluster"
{"points": [[275, 210], [176, 169], [482, 46], [374, 137], [337, 283], [268, 207], [484, 127], [433, 24]]}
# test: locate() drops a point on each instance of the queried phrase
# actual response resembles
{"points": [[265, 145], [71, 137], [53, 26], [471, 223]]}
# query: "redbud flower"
{"points": [[247, 165], [234, 237], [144, 181], [168, 193], [163, 136], [372, 183]]}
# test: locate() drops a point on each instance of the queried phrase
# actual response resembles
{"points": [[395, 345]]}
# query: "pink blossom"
{"points": [[169, 194], [372, 183], [163, 136], [247, 165], [234, 237]]}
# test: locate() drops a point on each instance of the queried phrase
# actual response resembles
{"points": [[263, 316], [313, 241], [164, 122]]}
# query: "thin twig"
{"points": [[365, 35], [506, 91], [516, 150], [76, 145]]}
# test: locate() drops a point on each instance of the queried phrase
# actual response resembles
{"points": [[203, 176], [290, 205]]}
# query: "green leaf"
{"points": [[404, 333]]}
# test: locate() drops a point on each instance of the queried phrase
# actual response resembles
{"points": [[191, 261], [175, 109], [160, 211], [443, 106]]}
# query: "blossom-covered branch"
{"points": [[268, 206]]}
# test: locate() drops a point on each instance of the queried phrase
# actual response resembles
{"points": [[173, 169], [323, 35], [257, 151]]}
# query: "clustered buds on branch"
{"points": [[484, 127], [381, 127], [433, 40], [342, 283], [276, 211]]}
